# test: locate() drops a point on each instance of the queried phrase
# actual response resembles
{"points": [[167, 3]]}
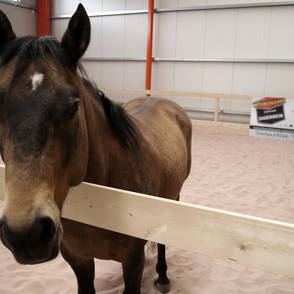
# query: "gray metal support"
{"points": [[218, 60], [182, 9]]}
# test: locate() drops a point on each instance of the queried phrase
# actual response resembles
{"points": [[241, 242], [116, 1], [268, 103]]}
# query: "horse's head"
{"points": [[43, 138]]}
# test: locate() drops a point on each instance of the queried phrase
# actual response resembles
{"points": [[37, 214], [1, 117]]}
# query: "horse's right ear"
{"points": [[77, 36], [6, 32]]}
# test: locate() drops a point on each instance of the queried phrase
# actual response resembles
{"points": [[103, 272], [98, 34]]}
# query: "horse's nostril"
{"points": [[2, 230], [42, 231]]}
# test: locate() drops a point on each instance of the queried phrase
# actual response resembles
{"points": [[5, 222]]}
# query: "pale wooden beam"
{"points": [[251, 241], [177, 93], [216, 109]]}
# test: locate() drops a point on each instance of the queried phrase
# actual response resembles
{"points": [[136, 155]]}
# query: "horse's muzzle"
{"points": [[38, 243]]}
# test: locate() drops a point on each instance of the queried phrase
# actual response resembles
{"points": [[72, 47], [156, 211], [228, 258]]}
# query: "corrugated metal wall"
{"points": [[24, 20], [238, 33]]}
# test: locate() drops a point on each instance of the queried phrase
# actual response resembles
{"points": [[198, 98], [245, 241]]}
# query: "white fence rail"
{"points": [[251, 241]]}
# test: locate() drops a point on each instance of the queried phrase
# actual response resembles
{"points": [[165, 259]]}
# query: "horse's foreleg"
{"points": [[133, 271], [84, 270], [162, 282]]}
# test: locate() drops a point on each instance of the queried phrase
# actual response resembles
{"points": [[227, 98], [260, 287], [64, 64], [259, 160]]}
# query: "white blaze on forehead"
{"points": [[37, 79]]}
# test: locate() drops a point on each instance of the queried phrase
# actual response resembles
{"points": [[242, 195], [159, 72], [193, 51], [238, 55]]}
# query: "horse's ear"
{"points": [[76, 39], [6, 32]]}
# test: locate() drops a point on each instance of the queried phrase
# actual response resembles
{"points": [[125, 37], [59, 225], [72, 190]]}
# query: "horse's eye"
{"points": [[74, 107]]}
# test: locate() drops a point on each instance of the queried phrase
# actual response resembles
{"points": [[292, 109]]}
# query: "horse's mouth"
{"points": [[30, 259], [29, 255]]}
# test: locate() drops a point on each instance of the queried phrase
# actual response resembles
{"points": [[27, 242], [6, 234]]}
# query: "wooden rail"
{"points": [[251, 241], [216, 96]]}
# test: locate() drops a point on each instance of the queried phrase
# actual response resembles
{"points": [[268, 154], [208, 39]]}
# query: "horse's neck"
{"points": [[112, 165], [103, 146]]}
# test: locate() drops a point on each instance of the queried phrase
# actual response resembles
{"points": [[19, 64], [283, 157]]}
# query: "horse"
{"points": [[58, 129]]}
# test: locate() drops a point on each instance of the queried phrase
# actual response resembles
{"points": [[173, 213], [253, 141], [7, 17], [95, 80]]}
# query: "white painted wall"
{"points": [[232, 33], [24, 21]]}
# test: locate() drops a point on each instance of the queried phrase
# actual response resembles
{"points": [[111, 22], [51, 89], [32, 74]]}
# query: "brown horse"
{"points": [[57, 130]]}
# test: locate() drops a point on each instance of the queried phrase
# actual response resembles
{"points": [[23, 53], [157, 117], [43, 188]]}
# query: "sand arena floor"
{"points": [[237, 173]]}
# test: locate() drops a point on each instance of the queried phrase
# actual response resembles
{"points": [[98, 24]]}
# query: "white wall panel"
{"points": [[192, 3], [134, 75], [108, 5], [117, 75], [63, 7], [231, 33], [92, 5], [166, 35], [280, 80], [166, 3], [179, 3], [190, 38], [136, 4], [249, 78], [68, 7], [217, 78], [24, 21], [58, 27], [189, 77], [163, 76], [112, 74], [135, 44], [252, 36], [105, 74], [219, 2], [113, 36], [281, 33], [220, 33]]}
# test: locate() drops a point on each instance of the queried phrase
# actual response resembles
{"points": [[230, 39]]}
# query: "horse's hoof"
{"points": [[162, 288]]}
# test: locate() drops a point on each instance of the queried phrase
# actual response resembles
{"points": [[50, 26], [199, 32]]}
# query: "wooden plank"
{"points": [[177, 93], [221, 127], [251, 241], [216, 110]]}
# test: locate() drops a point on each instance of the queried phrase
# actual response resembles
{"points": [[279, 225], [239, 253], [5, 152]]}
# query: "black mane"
{"points": [[121, 124], [33, 48]]}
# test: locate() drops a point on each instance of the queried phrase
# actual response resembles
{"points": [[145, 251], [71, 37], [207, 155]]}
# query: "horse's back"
{"points": [[167, 131], [156, 111]]}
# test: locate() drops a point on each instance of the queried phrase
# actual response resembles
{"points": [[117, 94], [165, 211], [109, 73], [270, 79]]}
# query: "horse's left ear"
{"points": [[76, 39]]}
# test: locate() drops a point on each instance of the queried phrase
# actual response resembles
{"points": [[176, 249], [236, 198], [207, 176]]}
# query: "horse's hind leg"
{"points": [[84, 270], [162, 282], [133, 270]]}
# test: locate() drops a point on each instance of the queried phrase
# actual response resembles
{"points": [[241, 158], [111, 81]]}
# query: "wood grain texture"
{"points": [[177, 93], [251, 241]]}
